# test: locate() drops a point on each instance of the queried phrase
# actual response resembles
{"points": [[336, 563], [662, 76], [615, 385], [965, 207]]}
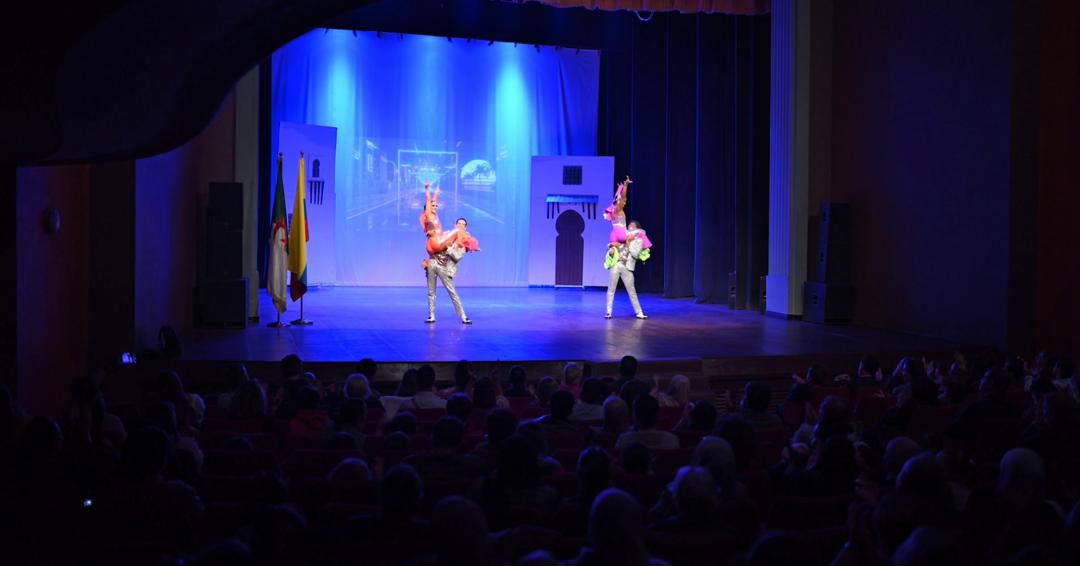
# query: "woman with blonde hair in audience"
{"points": [[676, 395]]}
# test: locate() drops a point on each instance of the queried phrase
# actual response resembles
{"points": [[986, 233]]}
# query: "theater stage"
{"points": [[513, 324]]}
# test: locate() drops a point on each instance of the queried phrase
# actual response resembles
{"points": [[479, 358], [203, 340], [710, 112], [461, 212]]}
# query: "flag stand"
{"points": [[300, 321], [277, 323]]}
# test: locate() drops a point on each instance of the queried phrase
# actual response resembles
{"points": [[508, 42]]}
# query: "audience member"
{"points": [[590, 407], [754, 407], [646, 409]]}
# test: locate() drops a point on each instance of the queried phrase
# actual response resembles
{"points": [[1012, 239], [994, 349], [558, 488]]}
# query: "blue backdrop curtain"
{"points": [[468, 115]]}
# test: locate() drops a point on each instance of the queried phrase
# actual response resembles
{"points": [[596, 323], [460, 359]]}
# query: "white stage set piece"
{"points": [[568, 235]]}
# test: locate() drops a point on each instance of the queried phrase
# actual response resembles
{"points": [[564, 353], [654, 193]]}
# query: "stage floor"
{"points": [[512, 324]]}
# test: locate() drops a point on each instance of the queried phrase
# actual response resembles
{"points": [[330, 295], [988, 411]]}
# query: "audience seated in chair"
{"points": [[646, 409]]}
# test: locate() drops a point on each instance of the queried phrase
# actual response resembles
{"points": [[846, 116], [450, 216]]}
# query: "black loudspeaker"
{"points": [[222, 302], [732, 283], [834, 244], [225, 231], [828, 304], [224, 255]]}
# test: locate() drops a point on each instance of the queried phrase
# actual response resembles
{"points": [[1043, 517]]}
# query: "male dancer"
{"points": [[444, 250], [622, 258]]}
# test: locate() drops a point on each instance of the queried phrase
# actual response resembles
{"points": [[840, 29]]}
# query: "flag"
{"points": [[298, 237], [279, 240]]}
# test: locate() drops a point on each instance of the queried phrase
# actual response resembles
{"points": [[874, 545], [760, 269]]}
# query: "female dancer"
{"points": [[614, 213]]}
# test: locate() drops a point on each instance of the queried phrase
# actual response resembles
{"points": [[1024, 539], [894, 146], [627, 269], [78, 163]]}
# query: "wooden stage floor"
{"points": [[512, 324]]}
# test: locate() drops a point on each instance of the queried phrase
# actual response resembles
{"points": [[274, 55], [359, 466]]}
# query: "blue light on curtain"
{"points": [[467, 115]]}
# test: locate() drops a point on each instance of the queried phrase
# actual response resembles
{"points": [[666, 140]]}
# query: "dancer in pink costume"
{"points": [[615, 214]]}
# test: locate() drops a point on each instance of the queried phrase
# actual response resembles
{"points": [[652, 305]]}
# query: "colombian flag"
{"points": [[298, 237]]}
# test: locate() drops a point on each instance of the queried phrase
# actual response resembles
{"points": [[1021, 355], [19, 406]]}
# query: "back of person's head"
{"points": [[910, 367], [1022, 475], [169, 385], [897, 452], [400, 490], [635, 458], [616, 414], [716, 455], [703, 415], [291, 366], [633, 389], [309, 399], [532, 432], [162, 414], [367, 367], [816, 375], [459, 405], [592, 391], [837, 454], [922, 475], [518, 462], [357, 386], [403, 421], [447, 433], [615, 526], [954, 387], [235, 375], [995, 382], [279, 536], [342, 441], [930, 546], [353, 412], [228, 552], [777, 548], [461, 532], [628, 367], [757, 395], [869, 365], [517, 377], [562, 403], [484, 393], [571, 373], [897, 515], [498, 426], [742, 438], [695, 493], [679, 387], [350, 469], [408, 385], [248, 402], [146, 452], [646, 410], [463, 373], [545, 388], [425, 378], [593, 472]]}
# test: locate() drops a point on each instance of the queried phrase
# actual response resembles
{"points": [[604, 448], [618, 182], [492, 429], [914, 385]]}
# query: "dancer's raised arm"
{"points": [[620, 199]]}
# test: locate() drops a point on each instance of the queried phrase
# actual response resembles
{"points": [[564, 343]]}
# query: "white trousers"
{"points": [[619, 271], [435, 270]]}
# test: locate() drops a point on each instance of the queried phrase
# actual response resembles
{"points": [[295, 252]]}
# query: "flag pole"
{"points": [[301, 321], [278, 324]]}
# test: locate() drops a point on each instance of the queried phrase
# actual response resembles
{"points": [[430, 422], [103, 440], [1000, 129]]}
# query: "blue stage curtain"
{"points": [[449, 102], [685, 113]]}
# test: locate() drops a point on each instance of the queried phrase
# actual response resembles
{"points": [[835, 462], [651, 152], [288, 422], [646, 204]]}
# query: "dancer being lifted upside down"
{"points": [[445, 250]]}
